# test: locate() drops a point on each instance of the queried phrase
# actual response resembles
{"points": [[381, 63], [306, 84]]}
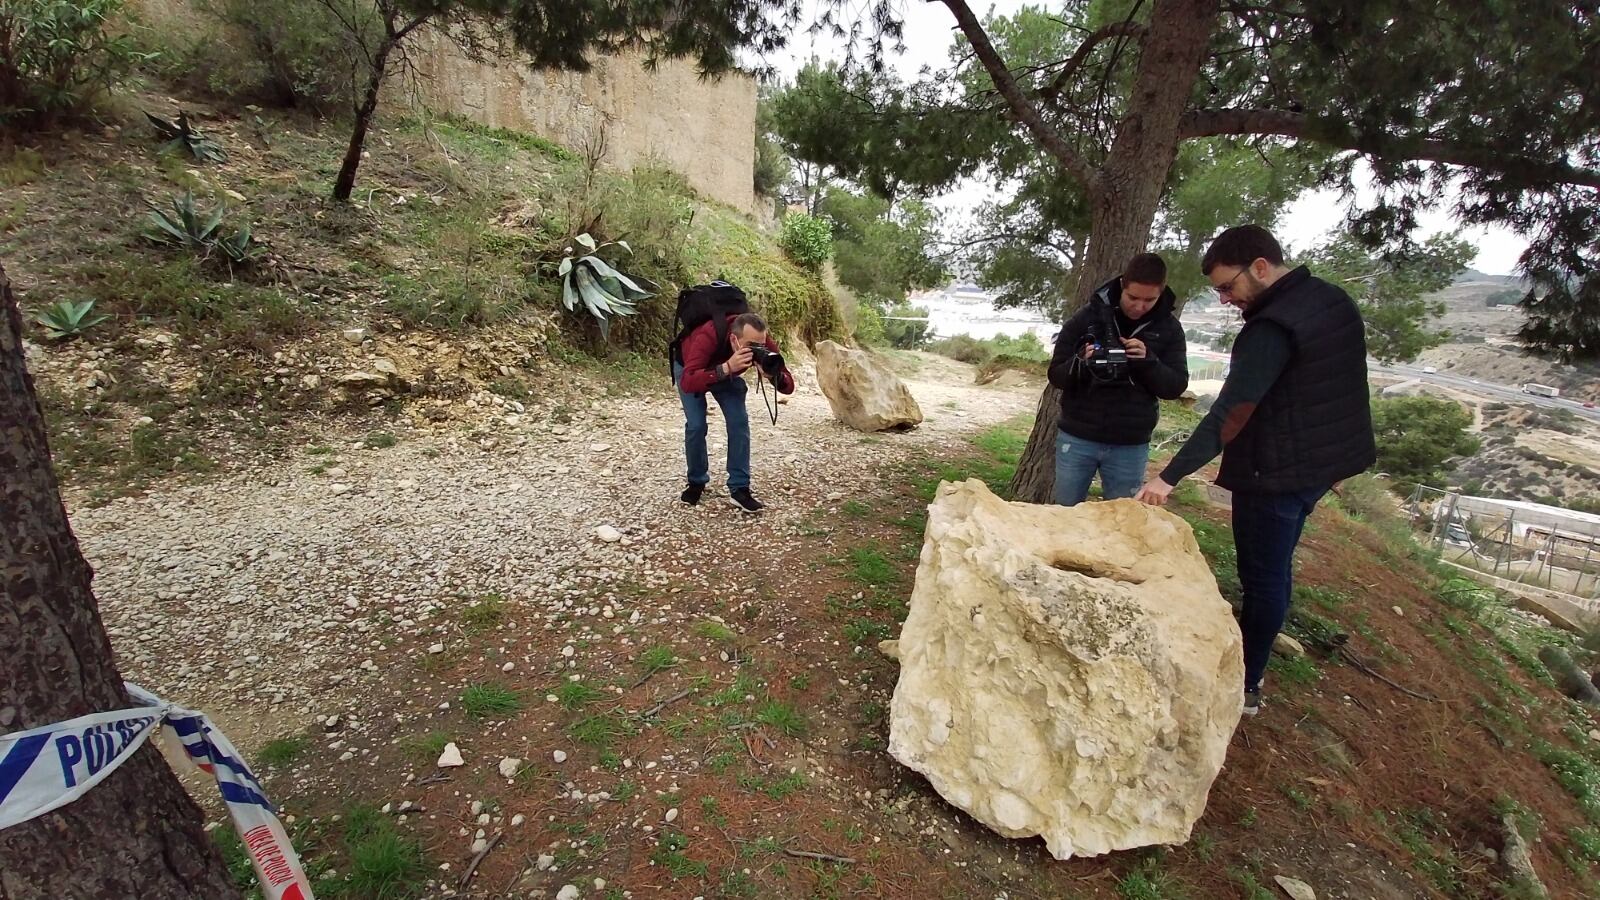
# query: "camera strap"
{"points": [[772, 405]]}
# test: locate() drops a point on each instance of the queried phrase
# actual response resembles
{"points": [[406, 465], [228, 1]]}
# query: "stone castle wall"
{"points": [[702, 128]]}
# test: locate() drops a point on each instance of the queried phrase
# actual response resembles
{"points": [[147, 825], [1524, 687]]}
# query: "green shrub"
{"points": [[963, 348], [1024, 348], [869, 330], [57, 56], [291, 53], [1419, 436], [807, 240]]}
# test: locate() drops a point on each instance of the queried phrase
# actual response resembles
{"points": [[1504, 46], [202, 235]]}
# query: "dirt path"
{"points": [[272, 597]]}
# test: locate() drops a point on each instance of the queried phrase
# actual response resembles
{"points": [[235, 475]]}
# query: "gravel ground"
{"points": [[270, 597]]}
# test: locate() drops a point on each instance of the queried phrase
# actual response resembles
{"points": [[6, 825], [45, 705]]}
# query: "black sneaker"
{"points": [[743, 499], [691, 494], [1252, 701]]}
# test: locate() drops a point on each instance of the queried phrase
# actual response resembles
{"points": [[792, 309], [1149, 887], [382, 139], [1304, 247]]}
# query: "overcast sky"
{"points": [[928, 32]]}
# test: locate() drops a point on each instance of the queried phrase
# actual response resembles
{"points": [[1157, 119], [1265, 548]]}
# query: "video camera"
{"points": [[1109, 361], [770, 361]]}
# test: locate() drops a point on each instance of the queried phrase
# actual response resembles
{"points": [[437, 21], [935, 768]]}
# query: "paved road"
{"points": [[1508, 393]]}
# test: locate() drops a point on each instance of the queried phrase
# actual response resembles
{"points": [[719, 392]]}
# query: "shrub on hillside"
{"points": [[1417, 436], [650, 208], [807, 240], [291, 53], [869, 326], [968, 349], [963, 348], [56, 57]]}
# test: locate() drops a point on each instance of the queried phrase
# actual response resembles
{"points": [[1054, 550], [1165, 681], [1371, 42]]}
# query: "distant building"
{"points": [[1531, 523]]}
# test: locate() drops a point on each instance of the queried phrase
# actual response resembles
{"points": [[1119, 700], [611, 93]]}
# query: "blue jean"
{"points": [[1266, 528], [730, 396], [1121, 468]]}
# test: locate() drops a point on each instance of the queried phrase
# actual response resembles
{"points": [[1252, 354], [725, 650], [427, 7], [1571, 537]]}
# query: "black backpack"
{"points": [[703, 303]]}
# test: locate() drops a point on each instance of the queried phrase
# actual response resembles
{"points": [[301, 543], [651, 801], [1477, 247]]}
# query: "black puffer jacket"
{"points": [[1122, 411], [1314, 426]]}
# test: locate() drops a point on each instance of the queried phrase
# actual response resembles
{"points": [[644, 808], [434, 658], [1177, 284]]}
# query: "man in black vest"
{"points": [[1293, 419], [1109, 408]]}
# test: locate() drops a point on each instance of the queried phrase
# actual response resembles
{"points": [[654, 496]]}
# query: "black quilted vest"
{"points": [[1314, 426]]}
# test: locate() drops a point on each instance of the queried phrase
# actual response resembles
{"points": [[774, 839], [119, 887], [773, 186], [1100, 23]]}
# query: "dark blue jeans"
{"points": [[729, 393], [1266, 528]]}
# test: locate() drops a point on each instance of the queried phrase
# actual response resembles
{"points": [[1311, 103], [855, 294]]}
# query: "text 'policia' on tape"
{"points": [[45, 768]]}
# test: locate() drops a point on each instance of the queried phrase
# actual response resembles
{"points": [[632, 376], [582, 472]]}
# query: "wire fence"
{"points": [[1539, 546]]}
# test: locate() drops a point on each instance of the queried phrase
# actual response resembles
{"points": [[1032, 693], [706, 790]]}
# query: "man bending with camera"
{"points": [[713, 360], [1114, 361]]}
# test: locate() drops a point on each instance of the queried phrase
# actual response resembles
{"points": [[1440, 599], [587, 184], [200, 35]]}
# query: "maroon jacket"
{"points": [[701, 358]]}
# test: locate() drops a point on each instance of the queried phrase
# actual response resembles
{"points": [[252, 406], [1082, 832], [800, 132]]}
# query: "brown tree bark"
{"points": [[346, 182], [136, 834], [1126, 190]]}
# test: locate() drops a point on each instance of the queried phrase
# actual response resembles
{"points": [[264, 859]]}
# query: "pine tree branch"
{"points": [[1021, 108], [1199, 123], [413, 25], [1070, 68]]}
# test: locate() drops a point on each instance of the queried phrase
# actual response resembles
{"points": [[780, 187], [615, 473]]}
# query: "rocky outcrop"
{"points": [[863, 393], [1069, 673]]}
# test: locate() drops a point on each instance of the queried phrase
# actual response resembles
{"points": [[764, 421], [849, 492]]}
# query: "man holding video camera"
{"points": [[1114, 361], [712, 358]]}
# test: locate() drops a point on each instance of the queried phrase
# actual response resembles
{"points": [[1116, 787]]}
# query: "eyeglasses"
{"points": [[1227, 289]]}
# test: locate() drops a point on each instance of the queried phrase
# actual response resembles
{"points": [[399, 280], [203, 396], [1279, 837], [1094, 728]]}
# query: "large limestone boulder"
{"points": [[1069, 673], [864, 394]]}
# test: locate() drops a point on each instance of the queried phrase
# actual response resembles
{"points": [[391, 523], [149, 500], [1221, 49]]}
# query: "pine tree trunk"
{"points": [[136, 834], [346, 182], [1124, 201]]}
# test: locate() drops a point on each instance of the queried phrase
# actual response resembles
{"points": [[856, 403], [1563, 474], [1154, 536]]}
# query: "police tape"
{"points": [[46, 768]]}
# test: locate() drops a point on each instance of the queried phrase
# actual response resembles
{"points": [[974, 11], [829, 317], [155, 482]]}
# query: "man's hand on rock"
{"points": [[1155, 492]]}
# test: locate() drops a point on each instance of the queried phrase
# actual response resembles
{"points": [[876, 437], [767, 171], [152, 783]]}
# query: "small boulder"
{"points": [[863, 393], [451, 757], [509, 767], [1295, 888], [607, 534], [1284, 645]]}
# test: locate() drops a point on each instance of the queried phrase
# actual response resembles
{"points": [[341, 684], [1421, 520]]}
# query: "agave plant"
{"points": [[66, 319], [240, 248], [588, 279], [181, 135], [184, 225]]}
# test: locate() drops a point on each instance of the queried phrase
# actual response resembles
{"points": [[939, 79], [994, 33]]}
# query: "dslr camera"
{"points": [[769, 361], [1108, 362]]}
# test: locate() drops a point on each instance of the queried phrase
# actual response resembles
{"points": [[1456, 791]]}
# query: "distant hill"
{"points": [[1473, 276]]}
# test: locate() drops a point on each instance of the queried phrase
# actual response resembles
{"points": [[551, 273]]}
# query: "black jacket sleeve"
{"points": [[1165, 374], [1064, 369]]}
